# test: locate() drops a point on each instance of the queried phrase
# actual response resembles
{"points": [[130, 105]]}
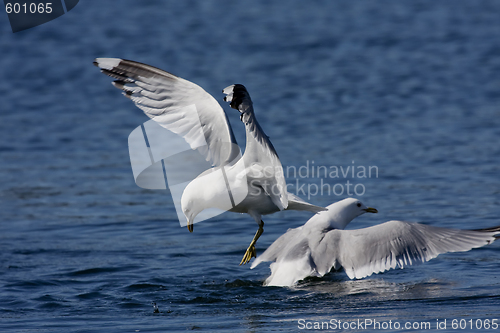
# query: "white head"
{"points": [[192, 204], [339, 214]]}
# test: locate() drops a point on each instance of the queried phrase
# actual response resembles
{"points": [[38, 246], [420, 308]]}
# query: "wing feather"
{"points": [[177, 105], [393, 244], [281, 247]]}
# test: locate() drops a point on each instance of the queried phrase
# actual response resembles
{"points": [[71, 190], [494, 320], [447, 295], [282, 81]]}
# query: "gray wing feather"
{"points": [[281, 248], [177, 105]]}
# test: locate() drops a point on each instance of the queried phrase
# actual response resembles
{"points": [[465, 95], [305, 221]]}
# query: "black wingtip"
{"points": [[493, 229], [119, 84], [240, 93]]}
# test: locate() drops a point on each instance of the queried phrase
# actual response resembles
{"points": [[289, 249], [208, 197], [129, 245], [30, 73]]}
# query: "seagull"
{"points": [[189, 111], [322, 244]]}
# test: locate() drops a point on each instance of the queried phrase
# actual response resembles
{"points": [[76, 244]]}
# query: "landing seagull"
{"points": [[321, 244], [167, 98]]}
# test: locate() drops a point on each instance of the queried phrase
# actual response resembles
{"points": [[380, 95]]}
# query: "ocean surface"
{"points": [[410, 89]]}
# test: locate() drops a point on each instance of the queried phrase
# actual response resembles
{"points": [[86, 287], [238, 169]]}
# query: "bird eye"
{"points": [[359, 204]]}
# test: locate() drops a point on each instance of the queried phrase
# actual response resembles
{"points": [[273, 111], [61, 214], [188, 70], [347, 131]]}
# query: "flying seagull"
{"points": [[189, 111], [321, 244]]}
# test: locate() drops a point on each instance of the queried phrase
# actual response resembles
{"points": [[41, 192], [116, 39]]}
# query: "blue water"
{"points": [[412, 88]]}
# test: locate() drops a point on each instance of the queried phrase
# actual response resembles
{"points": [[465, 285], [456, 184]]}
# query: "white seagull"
{"points": [[189, 111], [321, 244]]}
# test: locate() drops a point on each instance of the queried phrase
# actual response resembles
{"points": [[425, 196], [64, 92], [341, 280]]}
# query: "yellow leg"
{"points": [[251, 253]]}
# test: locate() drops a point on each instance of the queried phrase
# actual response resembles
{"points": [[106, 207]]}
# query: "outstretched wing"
{"points": [[177, 105], [259, 151], [281, 248], [393, 244]]}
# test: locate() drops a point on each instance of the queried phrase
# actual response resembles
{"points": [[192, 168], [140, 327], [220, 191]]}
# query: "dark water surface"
{"points": [[412, 88]]}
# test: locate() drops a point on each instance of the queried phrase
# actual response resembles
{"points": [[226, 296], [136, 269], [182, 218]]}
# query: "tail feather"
{"points": [[296, 203]]}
